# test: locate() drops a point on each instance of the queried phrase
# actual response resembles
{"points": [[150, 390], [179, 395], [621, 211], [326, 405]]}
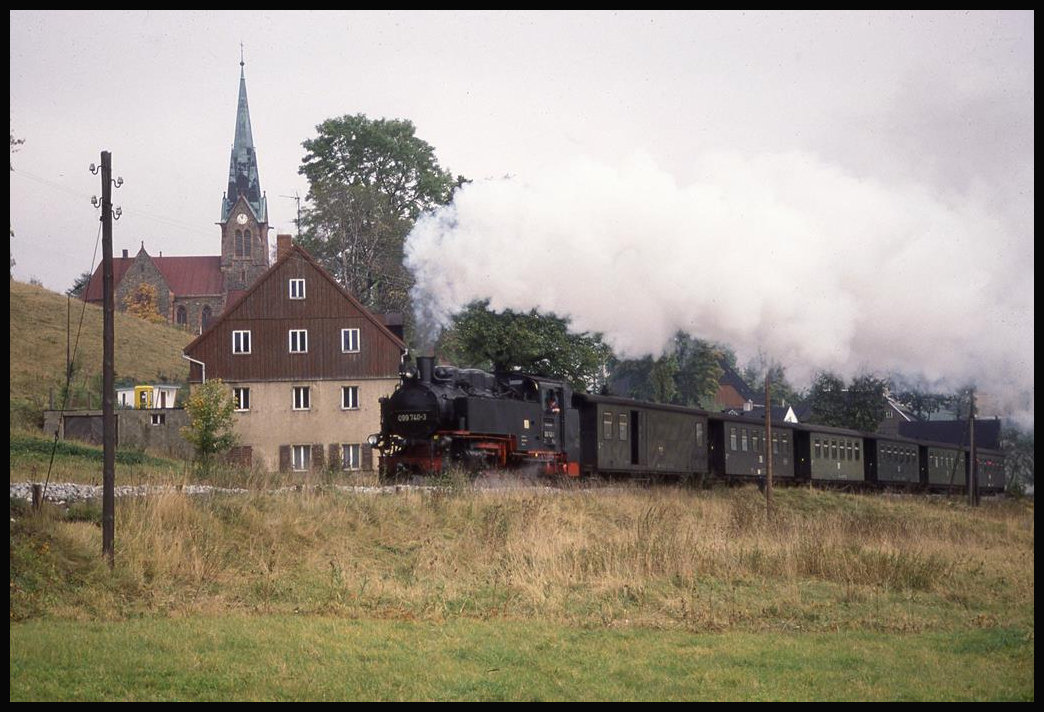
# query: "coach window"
{"points": [[743, 439], [819, 454], [732, 440], [607, 425], [623, 426], [699, 433], [833, 449], [754, 442], [855, 451]]}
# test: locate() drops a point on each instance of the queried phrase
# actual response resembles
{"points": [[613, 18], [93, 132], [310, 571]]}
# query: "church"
{"points": [[192, 291]]}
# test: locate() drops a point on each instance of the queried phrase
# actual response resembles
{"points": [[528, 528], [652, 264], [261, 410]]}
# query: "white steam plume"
{"points": [[779, 254]]}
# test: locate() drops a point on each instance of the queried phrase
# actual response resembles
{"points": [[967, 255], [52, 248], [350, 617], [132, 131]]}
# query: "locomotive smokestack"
{"points": [[425, 366]]}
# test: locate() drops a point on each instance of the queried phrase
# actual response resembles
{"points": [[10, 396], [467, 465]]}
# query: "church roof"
{"points": [[243, 177], [186, 276]]}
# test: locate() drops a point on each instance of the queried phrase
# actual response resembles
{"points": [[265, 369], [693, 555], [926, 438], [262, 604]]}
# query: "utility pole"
{"points": [[973, 465], [297, 222], [768, 444], [108, 359]]}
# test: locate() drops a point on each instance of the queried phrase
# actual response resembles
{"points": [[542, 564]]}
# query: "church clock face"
{"points": [[241, 218]]}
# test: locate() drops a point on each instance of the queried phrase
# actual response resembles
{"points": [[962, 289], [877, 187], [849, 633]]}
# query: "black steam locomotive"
{"points": [[442, 416]]}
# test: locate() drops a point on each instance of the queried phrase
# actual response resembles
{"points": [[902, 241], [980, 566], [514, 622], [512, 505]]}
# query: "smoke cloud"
{"points": [[781, 255]]}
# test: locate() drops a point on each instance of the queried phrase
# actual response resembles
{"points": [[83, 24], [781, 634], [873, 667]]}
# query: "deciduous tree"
{"points": [[536, 343], [211, 411], [369, 180]]}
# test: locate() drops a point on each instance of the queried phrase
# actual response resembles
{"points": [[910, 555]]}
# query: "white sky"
{"points": [[843, 190]]}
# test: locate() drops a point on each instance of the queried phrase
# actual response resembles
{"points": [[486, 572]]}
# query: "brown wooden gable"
{"points": [[267, 311]]}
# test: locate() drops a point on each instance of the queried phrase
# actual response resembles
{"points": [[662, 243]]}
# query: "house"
{"points": [[191, 291], [895, 417], [733, 392], [161, 395], [756, 411], [307, 364]]}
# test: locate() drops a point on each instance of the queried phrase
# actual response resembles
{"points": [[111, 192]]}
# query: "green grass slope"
{"points": [[44, 322]]}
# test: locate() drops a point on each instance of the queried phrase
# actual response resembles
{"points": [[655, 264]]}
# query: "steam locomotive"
{"points": [[441, 416]]}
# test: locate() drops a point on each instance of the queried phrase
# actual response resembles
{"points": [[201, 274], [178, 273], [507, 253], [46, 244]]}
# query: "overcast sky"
{"points": [[848, 191]]}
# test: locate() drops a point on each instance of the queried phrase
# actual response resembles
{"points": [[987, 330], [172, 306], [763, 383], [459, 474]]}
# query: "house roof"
{"points": [[185, 275], [987, 432], [292, 251], [731, 378]]}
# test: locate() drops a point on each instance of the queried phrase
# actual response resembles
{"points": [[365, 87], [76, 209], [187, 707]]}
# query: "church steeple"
{"points": [[243, 178], [244, 209]]}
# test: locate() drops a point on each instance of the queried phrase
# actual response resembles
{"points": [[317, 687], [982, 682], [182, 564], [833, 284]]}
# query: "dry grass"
{"points": [[663, 558]]}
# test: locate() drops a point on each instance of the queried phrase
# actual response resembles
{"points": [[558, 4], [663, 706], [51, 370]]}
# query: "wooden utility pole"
{"points": [[108, 360], [973, 465], [768, 444]]}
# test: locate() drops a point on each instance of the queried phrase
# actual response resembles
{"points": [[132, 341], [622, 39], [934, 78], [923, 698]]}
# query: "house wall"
{"points": [[272, 422]]}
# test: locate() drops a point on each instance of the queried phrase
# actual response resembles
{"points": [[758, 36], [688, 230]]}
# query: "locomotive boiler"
{"points": [[441, 416]]}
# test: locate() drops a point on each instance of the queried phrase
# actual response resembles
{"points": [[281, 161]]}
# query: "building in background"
{"points": [[191, 291]]}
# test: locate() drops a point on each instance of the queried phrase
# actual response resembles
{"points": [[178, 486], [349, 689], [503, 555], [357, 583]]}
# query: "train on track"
{"points": [[441, 417]]}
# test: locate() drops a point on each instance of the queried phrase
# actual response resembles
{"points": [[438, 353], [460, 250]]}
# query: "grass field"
{"points": [[456, 594]]}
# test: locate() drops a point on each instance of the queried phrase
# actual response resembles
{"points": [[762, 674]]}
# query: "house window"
{"points": [[181, 317], [246, 243], [351, 457], [159, 418], [240, 342], [297, 289], [349, 340], [242, 398], [301, 457], [349, 397], [298, 341], [302, 399], [205, 316]]}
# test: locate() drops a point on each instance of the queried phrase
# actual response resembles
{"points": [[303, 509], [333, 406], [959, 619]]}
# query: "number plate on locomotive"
{"points": [[411, 417]]}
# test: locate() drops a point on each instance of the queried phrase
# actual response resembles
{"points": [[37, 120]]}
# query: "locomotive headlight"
{"points": [[372, 440]]}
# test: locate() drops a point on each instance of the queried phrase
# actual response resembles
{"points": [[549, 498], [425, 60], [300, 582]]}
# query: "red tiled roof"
{"points": [[186, 276]]}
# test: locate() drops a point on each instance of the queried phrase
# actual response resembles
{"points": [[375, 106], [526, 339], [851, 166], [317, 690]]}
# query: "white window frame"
{"points": [[297, 288], [302, 398], [159, 418], [300, 458], [237, 397], [353, 339], [241, 341], [298, 341], [351, 402], [351, 456]]}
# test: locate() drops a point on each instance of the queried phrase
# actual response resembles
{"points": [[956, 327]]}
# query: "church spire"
{"points": [[242, 169]]}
